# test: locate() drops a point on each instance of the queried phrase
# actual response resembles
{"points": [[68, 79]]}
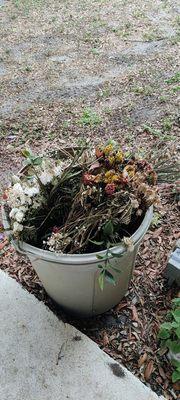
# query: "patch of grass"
{"points": [[138, 14], [162, 99], [177, 20], [129, 138], [2, 133], [175, 39], [54, 19], [16, 3], [95, 51], [87, 38], [90, 117], [128, 25], [176, 89], [26, 5], [167, 124], [28, 68], [114, 29], [128, 121], [104, 92], [98, 23], [151, 36], [154, 132], [50, 135], [65, 124], [157, 133], [124, 31], [143, 90], [108, 110], [174, 79]]}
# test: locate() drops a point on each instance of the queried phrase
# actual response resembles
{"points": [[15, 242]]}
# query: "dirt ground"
{"points": [[116, 58], [95, 69]]}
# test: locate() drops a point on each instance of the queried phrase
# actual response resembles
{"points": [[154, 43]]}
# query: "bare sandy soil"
{"points": [[117, 58]]}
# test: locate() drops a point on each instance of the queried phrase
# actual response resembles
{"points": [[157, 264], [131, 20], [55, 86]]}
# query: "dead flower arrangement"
{"points": [[81, 201]]}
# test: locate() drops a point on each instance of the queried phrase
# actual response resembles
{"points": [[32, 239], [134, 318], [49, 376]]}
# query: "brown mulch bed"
{"points": [[128, 333]]}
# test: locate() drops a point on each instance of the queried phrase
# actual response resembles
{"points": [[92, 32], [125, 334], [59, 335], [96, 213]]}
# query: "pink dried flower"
{"points": [[110, 188], [88, 179], [56, 229]]}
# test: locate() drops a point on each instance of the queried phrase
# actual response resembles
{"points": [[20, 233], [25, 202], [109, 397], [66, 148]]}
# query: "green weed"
{"points": [[169, 334], [154, 132], [66, 124], [156, 220], [28, 69], [90, 117], [138, 14], [174, 78], [167, 124], [95, 51], [108, 110], [104, 93], [162, 99], [143, 90], [151, 36], [176, 89]]}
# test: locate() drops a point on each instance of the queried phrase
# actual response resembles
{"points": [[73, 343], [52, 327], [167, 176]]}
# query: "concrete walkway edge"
{"points": [[41, 358]]}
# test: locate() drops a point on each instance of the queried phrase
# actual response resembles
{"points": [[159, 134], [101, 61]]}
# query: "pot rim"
{"points": [[87, 258]]}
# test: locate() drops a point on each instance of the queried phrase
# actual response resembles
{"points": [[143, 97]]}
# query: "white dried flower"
{"points": [[31, 191], [139, 212], [18, 193], [17, 189], [57, 170], [134, 203], [19, 216], [17, 227], [13, 212], [45, 177]]}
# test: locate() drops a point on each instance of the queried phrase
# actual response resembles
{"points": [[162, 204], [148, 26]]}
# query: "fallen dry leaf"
{"points": [[162, 373], [157, 232], [142, 360], [159, 380], [135, 315], [176, 386], [105, 339], [148, 370]]}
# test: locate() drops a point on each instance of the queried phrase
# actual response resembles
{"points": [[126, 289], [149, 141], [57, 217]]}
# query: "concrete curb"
{"points": [[44, 359]]}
